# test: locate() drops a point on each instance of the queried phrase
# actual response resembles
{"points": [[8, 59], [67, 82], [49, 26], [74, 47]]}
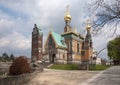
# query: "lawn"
{"points": [[98, 67], [64, 66], [76, 66]]}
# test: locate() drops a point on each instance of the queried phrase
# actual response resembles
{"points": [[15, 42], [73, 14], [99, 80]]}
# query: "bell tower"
{"points": [[88, 43], [37, 42]]}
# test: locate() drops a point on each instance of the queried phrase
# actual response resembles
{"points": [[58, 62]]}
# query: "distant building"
{"points": [[70, 46], [98, 61], [95, 59]]}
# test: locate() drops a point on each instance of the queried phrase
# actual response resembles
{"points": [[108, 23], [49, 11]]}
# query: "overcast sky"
{"points": [[17, 18]]}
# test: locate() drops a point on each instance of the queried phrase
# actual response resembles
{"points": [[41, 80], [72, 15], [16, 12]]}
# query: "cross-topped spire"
{"points": [[67, 10], [67, 14]]}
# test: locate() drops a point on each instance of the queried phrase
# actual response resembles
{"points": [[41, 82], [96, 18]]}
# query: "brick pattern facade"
{"points": [[37, 43], [76, 47]]}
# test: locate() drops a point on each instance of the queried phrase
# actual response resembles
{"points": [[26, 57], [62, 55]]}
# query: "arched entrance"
{"points": [[52, 58]]}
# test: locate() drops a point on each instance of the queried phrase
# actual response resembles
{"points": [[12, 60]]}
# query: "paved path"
{"points": [[61, 77], [110, 76]]}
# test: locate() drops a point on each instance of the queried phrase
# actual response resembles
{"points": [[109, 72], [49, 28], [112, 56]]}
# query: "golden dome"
{"points": [[67, 15], [88, 25]]}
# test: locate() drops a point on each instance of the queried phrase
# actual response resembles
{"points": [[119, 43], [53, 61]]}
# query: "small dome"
{"points": [[67, 17], [88, 27]]}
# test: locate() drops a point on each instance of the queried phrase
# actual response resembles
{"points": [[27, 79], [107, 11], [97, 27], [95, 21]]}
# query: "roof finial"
{"points": [[67, 10], [51, 28], [74, 29], [88, 21]]}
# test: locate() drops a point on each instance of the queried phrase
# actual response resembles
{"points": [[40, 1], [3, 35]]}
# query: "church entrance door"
{"points": [[53, 58]]}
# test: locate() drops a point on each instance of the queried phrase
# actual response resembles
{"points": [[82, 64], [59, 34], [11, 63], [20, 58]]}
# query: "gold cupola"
{"points": [[88, 27], [67, 16]]}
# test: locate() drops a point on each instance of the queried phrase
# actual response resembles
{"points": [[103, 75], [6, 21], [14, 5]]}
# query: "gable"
{"points": [[57, 39], [51, 42]]}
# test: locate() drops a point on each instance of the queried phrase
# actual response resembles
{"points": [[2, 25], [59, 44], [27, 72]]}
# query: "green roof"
{"points": [[40, 30], [59, 39]]}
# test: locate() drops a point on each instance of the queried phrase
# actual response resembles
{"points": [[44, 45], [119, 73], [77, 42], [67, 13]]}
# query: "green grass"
{"points": [[98, 67], [64, 66], [75, 67]]}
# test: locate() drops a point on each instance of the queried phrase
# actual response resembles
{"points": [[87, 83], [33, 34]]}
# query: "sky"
{"points": [[17, 19]]}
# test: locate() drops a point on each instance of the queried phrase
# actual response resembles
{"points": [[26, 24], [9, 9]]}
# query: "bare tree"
{"points": [[107, 13], [101, 50]]}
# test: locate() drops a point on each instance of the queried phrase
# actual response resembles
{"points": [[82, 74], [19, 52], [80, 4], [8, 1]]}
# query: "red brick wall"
{"points": [[36, 46]]}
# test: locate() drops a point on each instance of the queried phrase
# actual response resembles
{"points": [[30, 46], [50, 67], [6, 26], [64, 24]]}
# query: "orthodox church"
{"points": [[67, 47]]}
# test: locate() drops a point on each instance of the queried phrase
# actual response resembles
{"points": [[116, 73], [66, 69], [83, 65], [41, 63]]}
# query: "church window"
{"points": [[82, 45], [50, 40], [90, 44], [83, 53], [63, 56], [78, 47], [69, 47]]}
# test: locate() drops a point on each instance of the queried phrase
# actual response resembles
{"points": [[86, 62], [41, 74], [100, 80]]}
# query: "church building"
{"points": [[67, 47]]}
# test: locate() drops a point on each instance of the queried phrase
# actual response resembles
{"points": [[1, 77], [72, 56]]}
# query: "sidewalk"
{"points": [[61, 77], [111, 76]]}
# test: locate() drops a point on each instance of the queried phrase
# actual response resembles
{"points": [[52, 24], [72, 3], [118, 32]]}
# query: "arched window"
{"points": [[82, 45], [78, 49], [50, 40], [63, 56]]}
